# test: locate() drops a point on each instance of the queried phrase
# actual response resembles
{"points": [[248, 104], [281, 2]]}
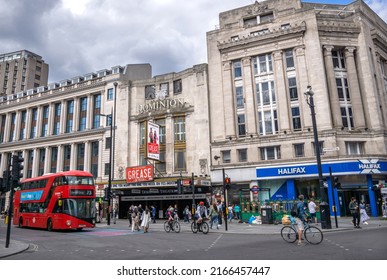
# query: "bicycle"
{"points": [[173, 225], [312, 234], [201, 227]]}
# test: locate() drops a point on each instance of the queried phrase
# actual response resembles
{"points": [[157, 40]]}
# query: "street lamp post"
{"points": [[324, 207], [110, 166]]}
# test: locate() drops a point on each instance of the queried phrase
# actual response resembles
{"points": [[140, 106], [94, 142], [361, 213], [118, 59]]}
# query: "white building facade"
{"points": [[261, 60]]}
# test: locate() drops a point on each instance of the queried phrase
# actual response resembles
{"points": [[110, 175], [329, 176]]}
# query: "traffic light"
{"points": [[179, 187], [108, 195], [336, 183], [227, 183], [5, 185], [17, 168]]}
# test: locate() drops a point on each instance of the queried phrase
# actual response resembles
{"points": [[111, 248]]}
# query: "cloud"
{"points": [[76, 37]]}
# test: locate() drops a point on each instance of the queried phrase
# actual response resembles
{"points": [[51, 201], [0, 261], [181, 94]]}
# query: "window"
{"points": [[241, 125], [107, 169], [54, 159], [161, 123], [250, 21], [346, 117], [342, 89], [13, 127], [94, 158], [108, 141], [82, 114], [164, 88], [34, 120], [268, 122], [110, 94], [239, 97], [237, 69], [179, 126], [57, 113], [97, 111], [262, 64], [242, 155], [338, 59], [69, 117], [293, 89], [289, 59], [269, 153], [44, 131], [180, 160], [22, 133], [226, 156], [320, 146], [265, 18], [177, 87], [296, 119], [354, 148], [150, 92], [80, 156], [299, 150], [161, 165]]}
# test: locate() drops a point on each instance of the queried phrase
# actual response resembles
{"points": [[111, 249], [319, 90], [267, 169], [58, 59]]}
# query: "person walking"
{"points": [[363, 213], [220, 213], [153, 210], [230, 213], [146, 217], [355, 212], [186, 214], [237, 211], [130, 212], [214, 215], [135, 219], [312, 210]]}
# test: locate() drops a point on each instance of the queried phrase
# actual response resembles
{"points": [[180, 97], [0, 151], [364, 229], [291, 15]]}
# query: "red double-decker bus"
{"points": [[64, 200]]}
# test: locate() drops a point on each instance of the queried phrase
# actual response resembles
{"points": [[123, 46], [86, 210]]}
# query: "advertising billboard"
{"points": [[153, 141], [139, 174]]}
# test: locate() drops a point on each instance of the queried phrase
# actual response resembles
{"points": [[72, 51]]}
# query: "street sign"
{"points": [[331, 149]]}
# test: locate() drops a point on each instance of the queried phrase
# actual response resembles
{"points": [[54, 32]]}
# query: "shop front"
{"points": [[342, 180]]}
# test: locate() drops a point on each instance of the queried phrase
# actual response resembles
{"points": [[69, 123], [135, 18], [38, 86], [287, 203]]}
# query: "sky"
{"points": [[76, 37]]}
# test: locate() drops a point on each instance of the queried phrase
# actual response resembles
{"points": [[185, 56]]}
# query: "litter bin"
{"points": [[267, 215]]}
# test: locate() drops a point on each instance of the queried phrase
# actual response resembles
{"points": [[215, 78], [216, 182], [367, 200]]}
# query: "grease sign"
{"points": [[139, 174]]}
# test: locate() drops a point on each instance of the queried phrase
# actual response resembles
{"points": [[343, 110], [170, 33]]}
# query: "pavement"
{"points": [[235, 227]]}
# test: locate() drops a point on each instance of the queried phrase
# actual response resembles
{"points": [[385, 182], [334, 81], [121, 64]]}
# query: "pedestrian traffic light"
{"points": [[227, 183], [17, 168]]}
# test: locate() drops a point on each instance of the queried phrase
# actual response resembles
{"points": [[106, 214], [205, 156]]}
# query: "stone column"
{"points": [[28, 123], [169, 140], [303, 82], [59, 165], [354, 89], [332, 87], [47, 163], [228, 100], [73, 156], [250, 105], [90, 112], [63, 114], [87, 159], [51, 115], [18, 125], [35, 163], [39, 122], [281, 92], [76, 115]]}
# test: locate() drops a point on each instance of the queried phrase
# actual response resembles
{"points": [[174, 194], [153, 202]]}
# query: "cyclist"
{"points": [[300, 218], [201, 212], [170, 215]]}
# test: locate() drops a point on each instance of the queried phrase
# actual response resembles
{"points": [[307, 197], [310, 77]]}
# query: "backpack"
{"points": [[294, 211]]}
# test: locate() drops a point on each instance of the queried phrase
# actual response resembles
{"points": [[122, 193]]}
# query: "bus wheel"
{"points": [[20, 222], [79, 229], [49, 225]]}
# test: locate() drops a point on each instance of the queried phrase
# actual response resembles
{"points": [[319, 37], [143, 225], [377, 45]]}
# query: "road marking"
{"points": [[213, 243]]}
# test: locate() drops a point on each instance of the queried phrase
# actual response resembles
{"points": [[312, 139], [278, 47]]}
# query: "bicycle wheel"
{"points": [[205, 227], [167, 227], [289, 234], [313, 235], [194, 227], [176, 226]]}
